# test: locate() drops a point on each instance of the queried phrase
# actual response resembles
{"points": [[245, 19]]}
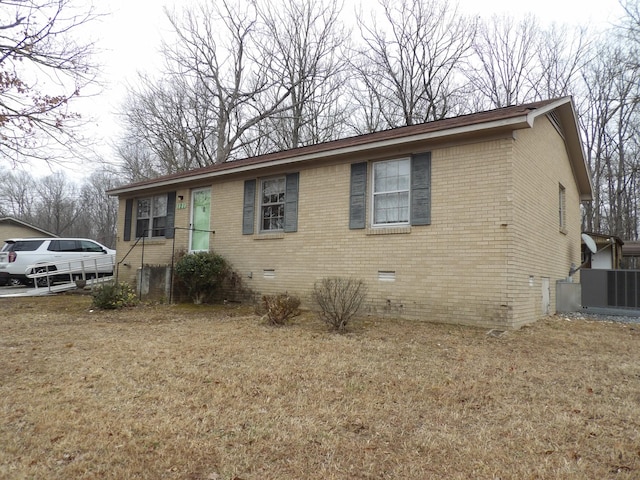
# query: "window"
{"points": [[75, 246], [88, 246], [22, 245], [562, 208], [154, 216], [65, 246], [401, 192], [277, 205], [272, 204], [391, 186], [151, 216]]}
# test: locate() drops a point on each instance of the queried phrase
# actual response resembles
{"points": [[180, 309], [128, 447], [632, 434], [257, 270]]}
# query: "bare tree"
{"points": [[308, 46], [505, 60], [611, 126], [138, 161], [54, 203], [630, 24], [170, 128], [240, 81], [408, 65], [367, 116], [221, 86], [622, 172], [221, 51], [98, 215], [518, 61], [42, 68], [17, 194], [57, 207], [562, 54]]}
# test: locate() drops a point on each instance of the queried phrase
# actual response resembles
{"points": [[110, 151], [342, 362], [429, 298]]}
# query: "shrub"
{"points": [[112, 296], [280, 308], [339, 299], [201, 273]]}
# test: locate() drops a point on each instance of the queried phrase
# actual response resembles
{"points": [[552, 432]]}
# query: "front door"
{"points": [[200, 219]]}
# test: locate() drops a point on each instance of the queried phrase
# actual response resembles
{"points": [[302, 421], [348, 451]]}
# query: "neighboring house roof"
{"points": [[489, 122], [20, 223], [603, 238]]}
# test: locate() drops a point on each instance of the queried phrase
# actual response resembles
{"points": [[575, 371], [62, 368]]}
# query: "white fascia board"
{"points": [[575, 147], [516, 122], [533, 114]]}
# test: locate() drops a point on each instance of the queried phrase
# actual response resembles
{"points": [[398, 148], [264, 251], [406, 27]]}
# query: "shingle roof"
{"points": [[499, 117]]}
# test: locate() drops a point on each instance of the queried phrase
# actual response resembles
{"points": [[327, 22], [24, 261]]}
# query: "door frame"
{"points": [[191, 219]]}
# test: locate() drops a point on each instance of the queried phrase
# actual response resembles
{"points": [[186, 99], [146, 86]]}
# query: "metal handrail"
{"points": [[135, 244], [173, 251], [63, 267]]}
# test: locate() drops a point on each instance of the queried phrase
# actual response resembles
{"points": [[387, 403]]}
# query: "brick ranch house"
{"points": [[468, 220]]}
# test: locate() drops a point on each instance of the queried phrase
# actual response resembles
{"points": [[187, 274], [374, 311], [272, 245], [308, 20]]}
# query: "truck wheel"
{"points": [[41, 281]]}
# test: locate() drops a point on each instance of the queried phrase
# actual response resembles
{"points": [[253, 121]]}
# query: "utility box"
{"points": [[568, 296]]}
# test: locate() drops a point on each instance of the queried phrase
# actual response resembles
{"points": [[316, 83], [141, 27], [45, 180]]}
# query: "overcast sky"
{"points": [[129, 38]]}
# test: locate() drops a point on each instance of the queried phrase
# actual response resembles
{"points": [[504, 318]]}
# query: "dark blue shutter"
{"points": [[358, 196], [291, 203], [171, 215], [248, 209], [128, 213], [421, 189]]}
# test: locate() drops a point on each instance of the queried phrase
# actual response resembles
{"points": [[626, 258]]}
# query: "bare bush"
{"points": [[280, 308], [339, 299]]}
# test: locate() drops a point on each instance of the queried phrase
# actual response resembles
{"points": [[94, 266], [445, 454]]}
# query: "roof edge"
{"points": [[515, 122]]}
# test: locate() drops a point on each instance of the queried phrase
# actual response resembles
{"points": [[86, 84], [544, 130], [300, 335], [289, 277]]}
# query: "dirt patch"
{"points": [[200, 392]]}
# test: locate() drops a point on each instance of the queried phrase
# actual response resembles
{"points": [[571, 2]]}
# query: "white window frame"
{"points": [[152, 217], [375, 193], [264, 204]]}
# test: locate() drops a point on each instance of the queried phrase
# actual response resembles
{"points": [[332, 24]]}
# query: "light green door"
{"points": [[200, 219]]}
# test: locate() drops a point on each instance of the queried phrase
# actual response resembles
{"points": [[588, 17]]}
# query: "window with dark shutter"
{"points": [[128, 213], [358, 196], [248, 210], [421, 189], [291, 203], [155, 216], [171, 215]]}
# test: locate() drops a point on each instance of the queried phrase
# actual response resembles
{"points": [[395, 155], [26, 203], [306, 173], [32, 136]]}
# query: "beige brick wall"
{"points": [[463, 268], [539, 249], [11, 230], [154, 251]]}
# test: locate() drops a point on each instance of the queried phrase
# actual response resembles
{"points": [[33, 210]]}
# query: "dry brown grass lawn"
{"points": [[201, 393]]}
